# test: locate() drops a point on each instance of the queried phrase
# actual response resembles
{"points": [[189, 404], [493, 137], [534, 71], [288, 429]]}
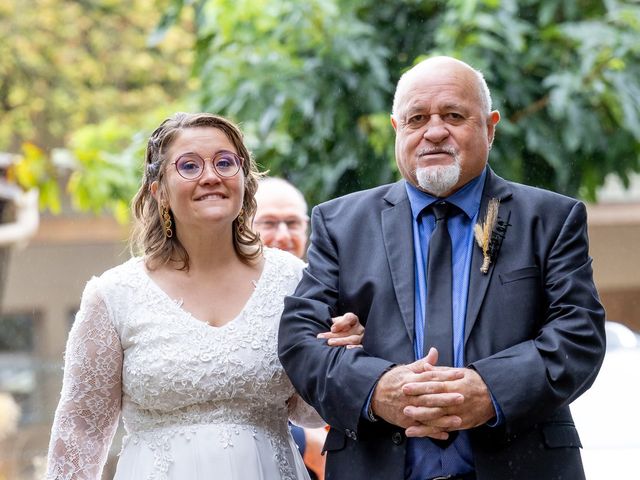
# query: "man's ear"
{"points": [[492, 121], [394, 124]]}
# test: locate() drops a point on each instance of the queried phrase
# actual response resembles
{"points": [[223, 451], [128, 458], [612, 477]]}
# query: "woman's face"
{"points": [[210, 199]]}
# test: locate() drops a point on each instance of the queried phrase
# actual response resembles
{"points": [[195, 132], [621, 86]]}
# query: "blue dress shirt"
{"points": [[424, 458]]}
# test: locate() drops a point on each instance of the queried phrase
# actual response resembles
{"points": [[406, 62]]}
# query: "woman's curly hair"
{"points": [[148, 237]]}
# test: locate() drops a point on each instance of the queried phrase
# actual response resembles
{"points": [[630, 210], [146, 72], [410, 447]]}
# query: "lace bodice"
{"points": [[134, 350]]}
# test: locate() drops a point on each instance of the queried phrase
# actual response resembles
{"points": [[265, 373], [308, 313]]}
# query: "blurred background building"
{"points": [[44, 264], [614, 234], [42, 294]]}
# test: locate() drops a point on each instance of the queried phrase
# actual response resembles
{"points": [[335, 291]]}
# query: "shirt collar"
{"points": [[466, 199]]}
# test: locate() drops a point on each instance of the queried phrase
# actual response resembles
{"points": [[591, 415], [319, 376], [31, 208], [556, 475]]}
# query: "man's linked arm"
{"points": [[336, 381]]}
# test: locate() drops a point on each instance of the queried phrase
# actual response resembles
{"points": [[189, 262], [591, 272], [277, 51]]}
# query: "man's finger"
{"points": [[437, 400], [437, 374], [342, 329], [432, 356], [348, 318], [343, 341], [433, 417], [420, 366], [334, 334], [427, 363], [435, 382], [346, 334], [345, 322], [426, 431], [329, 335]]}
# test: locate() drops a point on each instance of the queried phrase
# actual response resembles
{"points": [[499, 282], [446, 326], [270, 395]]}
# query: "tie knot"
{"points": [[441, 210]]}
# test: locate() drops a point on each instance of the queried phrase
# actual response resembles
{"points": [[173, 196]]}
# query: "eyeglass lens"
{"points": [[292, 224], [191, 165]]}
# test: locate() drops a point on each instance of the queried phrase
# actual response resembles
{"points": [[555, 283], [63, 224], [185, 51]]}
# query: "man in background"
{"points": [[281, 218]]}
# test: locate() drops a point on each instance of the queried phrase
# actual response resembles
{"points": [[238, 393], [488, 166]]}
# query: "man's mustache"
{"points": [[438, 149]]}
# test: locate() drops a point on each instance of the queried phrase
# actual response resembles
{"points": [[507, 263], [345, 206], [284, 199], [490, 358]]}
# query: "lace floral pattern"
{"points": [[134, 350]]}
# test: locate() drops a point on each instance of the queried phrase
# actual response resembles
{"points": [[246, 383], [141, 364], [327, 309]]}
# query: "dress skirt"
{"points": [[211, 452]]}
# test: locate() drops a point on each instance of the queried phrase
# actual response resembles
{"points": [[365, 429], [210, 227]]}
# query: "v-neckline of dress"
{"points": [[177, 303]]}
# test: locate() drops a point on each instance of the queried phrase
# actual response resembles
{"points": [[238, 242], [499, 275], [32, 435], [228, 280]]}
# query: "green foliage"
{"points": [[566, 77], [35, 170], [68, 65], [107, 168], [64, 64], [102, 166], [312, 82], [302, 78]]}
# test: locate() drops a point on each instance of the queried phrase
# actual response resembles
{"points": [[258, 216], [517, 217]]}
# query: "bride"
{"points": [[182, 340]]}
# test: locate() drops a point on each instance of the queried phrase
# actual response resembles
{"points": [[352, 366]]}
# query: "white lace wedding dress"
{"points": [[198, 402]]}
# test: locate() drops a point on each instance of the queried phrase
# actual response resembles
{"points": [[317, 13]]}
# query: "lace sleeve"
{"points": [[303, 414], [89, 408]]}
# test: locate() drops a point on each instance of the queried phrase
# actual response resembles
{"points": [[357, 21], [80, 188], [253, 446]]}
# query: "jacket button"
{"points": [[350, 434], [397, 438]]}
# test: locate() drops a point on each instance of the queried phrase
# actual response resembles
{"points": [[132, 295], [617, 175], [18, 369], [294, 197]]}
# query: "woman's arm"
{"points": [[87, 415]]}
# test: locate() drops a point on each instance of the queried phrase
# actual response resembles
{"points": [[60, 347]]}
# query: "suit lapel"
{"points": [[398, 242], [494, 187]]}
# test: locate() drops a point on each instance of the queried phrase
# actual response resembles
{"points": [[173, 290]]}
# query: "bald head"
{"points": [[434, 66], [281, 216], [272, 188]]}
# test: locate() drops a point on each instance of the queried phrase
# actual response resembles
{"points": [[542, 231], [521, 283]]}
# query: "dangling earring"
{"points": [[166, 222], [240, 225]]}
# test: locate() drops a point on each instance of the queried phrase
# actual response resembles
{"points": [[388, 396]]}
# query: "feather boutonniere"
{"points": [[490, 233]]}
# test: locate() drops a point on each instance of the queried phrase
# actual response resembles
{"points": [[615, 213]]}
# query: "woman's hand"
{"points": [[345, 331]]}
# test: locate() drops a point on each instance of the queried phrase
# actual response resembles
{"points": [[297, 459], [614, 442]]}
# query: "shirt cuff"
{"points": [[499, 418], [367, 412]]}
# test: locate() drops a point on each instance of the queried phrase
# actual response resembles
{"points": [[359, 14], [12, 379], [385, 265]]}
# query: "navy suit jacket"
{"points": [[534, 329]]}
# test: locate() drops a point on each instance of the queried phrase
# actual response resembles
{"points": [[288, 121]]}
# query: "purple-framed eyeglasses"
{"points": [[190, 166]]}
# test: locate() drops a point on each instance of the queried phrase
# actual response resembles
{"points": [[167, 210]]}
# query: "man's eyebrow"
{"points": [[457, 107], [413, 108], [446, 107]]}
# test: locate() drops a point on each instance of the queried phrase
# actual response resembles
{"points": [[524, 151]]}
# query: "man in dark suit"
{"points": [[511, 308]]}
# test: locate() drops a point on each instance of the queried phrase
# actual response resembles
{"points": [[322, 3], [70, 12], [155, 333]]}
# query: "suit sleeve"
{"points": [[562, 360], [335, 380]]}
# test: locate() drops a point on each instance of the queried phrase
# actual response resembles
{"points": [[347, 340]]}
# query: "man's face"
{"points": [[281, 219], [443, 134]]}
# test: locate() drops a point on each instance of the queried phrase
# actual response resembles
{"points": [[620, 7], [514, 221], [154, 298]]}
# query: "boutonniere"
{"points": [[490, 233]]}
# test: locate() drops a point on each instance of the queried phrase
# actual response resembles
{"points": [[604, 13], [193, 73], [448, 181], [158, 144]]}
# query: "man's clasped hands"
{"points": [[429, 401]]}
